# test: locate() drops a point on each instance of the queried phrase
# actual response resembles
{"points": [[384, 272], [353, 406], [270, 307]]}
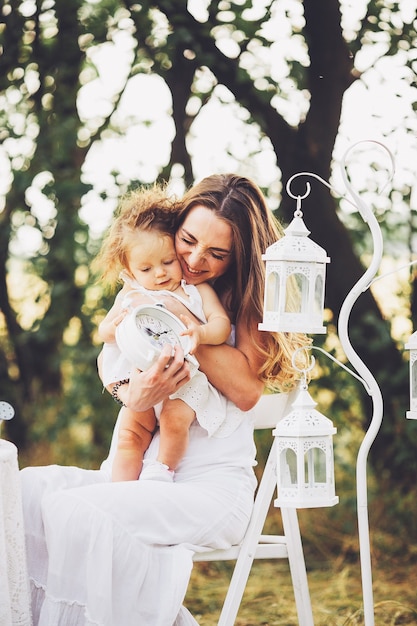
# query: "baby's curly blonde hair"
{"points": [[146, 208]]}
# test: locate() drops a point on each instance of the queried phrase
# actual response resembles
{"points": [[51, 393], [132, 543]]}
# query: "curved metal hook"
{"points": [[391, 170], [356, 202], [303, 370], [288, 187], [308, 186], [360, 205]]}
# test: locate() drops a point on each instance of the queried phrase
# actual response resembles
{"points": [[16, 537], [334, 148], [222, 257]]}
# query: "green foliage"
{"points": [[227, 52]]}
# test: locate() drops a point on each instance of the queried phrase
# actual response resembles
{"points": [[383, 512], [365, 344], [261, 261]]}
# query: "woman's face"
{"points": [[204, 245]]}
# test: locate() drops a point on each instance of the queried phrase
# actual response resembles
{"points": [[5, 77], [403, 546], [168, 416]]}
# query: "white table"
{"points": [[14, 587]]}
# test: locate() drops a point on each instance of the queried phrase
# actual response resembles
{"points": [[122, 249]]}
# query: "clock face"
{"points": [[156, 330], [142, 334]]}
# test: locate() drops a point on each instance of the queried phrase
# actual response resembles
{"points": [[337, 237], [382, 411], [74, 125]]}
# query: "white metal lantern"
{"points": [[305, 465], [294, 259], [412, 346]]}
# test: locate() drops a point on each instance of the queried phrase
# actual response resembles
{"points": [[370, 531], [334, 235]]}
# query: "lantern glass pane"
{"points": [[272, 292], [297, 305], [318, 294], [414, 380], [315, 466], [288, 467]]}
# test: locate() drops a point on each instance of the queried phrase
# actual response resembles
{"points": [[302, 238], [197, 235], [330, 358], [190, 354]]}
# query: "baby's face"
{"points": [[153, 262]]}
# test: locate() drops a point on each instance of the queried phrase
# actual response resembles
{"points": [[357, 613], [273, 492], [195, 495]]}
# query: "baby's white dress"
{"points": [[120, 554], [211, 408]]}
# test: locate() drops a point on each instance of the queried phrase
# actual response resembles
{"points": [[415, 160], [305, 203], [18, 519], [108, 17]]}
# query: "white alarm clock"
{"points": [[144, 331]]}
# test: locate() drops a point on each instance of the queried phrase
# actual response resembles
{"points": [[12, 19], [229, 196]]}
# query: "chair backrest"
{"points": [[271, 408]]}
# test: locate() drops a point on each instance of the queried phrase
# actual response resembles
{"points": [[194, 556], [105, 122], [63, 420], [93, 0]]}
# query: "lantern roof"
{"points": [[304, 419], [412, 342], [295, 245]]}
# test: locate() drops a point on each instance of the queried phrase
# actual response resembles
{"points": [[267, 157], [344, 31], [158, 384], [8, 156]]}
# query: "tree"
{"points": [[228, 44], [40, 78]]}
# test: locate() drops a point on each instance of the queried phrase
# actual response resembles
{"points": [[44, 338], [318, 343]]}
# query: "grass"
{"points": [[331, 550], [336, 595]]}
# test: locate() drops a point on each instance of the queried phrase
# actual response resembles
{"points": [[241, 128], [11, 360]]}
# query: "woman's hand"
{"points": [[167, 375]]}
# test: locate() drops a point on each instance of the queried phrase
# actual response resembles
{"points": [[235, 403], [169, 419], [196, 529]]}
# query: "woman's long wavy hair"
{"points": [[239, 202]]}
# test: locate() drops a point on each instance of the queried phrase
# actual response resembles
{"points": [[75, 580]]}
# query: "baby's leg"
{"points": [[135, 434], [174, 423]]}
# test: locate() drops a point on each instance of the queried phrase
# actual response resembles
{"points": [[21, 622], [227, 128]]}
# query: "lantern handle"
{"points": [[303, 370], [298, 212]]}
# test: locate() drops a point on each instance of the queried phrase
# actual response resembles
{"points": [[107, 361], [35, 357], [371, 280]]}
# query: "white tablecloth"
{"points": [[14, 588]]}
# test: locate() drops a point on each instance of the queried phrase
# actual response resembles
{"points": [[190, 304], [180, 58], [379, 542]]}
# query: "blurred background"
{"points": [[100, 96]]}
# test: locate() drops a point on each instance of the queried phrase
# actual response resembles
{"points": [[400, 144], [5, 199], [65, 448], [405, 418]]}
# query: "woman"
{"points": [[120, 554]]}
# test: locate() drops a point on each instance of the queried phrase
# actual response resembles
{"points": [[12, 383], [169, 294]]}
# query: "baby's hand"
{"points": [[107, 328], [193, 331], [119, 318]]}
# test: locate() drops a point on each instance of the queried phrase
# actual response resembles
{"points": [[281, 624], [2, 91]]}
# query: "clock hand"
{"points": [[153, 333]]}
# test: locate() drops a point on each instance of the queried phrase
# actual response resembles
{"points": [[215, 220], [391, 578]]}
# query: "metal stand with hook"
{"points": [[365, 376]]}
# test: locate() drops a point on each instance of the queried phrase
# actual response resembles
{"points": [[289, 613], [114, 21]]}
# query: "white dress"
{"points": [[212, 411], [120, 554]]}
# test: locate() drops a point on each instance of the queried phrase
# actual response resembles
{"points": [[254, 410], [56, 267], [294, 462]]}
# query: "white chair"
{"points": [[269, 410]]}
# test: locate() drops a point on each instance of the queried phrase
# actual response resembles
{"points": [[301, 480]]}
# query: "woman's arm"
{"points": [[163, 378], [233, 370]]}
